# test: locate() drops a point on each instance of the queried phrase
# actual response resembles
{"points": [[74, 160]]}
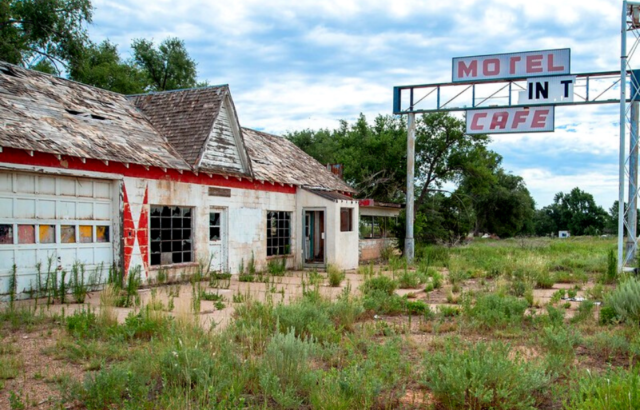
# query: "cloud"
{"points": [[308, 64]]}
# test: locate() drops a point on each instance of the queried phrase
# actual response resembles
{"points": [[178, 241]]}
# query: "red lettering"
{"points": [[534, 64], [512, 64], [551, 67], [468, 70], [520, 117], [474, 121], [491, 66], [499, 120], [539, 118]]}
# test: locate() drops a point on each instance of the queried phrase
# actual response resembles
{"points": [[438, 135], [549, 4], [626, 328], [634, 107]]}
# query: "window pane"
{"points": [[47, 233], [6, 234], [26, 234], [171, 235], [86, 233], [68, 234], [278, 233], [214, 219], [214, 234]]}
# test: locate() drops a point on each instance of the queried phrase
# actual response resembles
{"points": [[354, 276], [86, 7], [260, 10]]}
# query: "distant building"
{"points": [[563, 234], [377, 226]]}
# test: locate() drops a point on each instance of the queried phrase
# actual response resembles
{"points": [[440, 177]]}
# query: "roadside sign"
{"points": [[510, 120], [543, 90], [512, 65]]}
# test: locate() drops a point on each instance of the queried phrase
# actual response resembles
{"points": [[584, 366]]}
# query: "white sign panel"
{"points": [[513, 65], [547, 90], [510, 120]]}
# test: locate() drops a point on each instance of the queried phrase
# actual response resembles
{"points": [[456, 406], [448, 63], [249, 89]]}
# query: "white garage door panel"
{"points": [[85, 210], [66, 210], [46, 209], [25, 184], [25, 209], [25, 258], [6, 207], [30, 204], [6, 260]]}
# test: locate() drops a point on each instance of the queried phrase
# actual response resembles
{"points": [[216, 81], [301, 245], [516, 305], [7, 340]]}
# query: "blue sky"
{"points": [[308, 64]]}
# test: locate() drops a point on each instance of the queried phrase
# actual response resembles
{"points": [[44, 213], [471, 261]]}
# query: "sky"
{"points": [[293, 65]]}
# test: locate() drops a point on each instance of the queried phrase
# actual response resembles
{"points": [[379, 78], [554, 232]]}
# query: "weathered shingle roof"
{"points": [[277, 159], [40, 112], [184, 117]]}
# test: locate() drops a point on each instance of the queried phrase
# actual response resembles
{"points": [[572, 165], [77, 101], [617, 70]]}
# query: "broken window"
{"points": [[68, 234], [102, 234], [47, 233], [86, 233], [26, 234], [171, 233], [346, 216], [278, 233], [214, 226], [6, 234], [377, 226]]}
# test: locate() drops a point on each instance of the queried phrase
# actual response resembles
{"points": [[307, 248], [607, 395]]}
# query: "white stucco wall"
{"points": [[341, 248], [246, 211]]}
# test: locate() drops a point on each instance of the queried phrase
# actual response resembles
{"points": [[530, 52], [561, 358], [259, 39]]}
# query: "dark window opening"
{"points": [[170, 235], [278, 233], [346, 218], [372, 227]]}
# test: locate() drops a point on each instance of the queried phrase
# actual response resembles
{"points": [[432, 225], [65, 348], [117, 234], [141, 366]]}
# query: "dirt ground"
{"points": [[41, 369]]}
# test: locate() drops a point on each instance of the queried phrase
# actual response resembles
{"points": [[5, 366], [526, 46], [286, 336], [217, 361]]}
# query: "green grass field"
{"points": [[512, 324]]}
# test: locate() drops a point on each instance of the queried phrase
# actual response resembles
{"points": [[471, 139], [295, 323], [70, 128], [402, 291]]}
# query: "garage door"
{"points": [[47, 219]]}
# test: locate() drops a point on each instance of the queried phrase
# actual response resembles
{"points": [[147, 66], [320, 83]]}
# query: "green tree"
{"points": [[36, 30], [167, 67], [576, 212], [101, 66]]}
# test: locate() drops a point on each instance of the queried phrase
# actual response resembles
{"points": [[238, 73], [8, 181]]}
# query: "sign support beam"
{"points": [[409, 242]]}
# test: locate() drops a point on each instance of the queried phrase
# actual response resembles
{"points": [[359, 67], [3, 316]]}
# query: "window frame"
{"points": [[280, 221], [175, 244]]}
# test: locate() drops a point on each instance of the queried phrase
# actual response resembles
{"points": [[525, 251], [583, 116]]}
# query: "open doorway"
{"points": [[314, 237]]}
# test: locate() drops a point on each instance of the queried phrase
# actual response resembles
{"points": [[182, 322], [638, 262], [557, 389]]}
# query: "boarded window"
{"points": [[102, 234], [214, 226], [26, 234], [278, 233], [6, 234], [346, 216], [171, 235], [47, 233], [86, 233], [68, 233]]}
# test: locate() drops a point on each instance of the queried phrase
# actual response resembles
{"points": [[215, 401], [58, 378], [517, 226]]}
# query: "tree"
{"points": [[167, 67], [443, 151], [36, 30], [575, 211], [101, 66]]}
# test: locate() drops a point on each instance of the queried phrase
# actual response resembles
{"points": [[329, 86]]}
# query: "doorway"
{"points": [[218, 239], [314, 237]]}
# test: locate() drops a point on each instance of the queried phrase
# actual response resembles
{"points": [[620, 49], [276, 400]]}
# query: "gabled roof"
{"points": [[276, 159], [40, 112]]}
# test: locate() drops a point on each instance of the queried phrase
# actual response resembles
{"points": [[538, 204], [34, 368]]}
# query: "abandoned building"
{"points": [[156, 181]]}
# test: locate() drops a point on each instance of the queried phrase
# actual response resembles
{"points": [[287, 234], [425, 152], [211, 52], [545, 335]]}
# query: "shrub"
{"points": [[409, 280], [380, 283], [483, 376], [380, 301], [306, 317], [625, 300], [277, 266], [545, 280], [285, 368], [335, 276], [610, 274], [495, 311], [83, 324], [111, 387], [616, 389]]}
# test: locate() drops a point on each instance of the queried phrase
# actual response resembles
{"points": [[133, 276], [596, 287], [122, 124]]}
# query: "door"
{"points": [[218, 239], [314, 237]]}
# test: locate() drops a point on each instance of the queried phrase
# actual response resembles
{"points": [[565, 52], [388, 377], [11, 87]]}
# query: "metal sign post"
{"points": [[409, 242]]}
